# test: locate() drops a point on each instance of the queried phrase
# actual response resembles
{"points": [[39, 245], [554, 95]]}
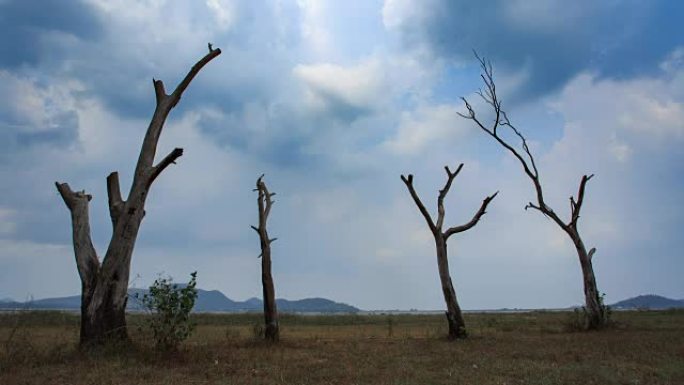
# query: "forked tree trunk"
{"points": [[457, 328], [104, 286], [596, 312], [271, 328]]}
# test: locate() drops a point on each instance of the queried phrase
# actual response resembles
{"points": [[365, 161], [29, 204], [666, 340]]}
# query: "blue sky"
{"points": [[333, 101]]}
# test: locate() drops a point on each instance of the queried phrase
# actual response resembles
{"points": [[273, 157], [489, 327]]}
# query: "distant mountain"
{"points": [[66, 303], [207, 301], [653, 302], [313, 305]]}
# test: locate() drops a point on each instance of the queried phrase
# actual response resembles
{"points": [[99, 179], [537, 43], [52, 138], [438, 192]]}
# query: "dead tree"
{"points": [[271, 331], [454, 316], [596, 312], [104, 285]]}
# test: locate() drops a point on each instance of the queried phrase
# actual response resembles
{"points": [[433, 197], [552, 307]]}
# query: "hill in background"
{"points": [[207, 301], [215, 301], [652, 302]]}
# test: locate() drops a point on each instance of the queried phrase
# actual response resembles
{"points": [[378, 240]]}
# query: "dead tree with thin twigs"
{"points": [[457, 329], [104, 285], [265, 202], [596, 312]]}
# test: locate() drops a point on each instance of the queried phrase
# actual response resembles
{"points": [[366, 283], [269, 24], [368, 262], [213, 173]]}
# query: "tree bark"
{"points": [[457, 328], [592, 300], [271, 330], [104, 286]]}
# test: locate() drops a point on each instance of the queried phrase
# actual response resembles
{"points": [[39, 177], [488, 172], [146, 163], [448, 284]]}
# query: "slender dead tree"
{"points": [[596, 312], [104, 285], [454, 316], [265, 201]]}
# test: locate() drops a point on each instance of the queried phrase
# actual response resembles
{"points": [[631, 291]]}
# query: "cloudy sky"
{"points": [[333, 100]]}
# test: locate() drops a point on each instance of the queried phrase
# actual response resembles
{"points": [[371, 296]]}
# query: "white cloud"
{"points": [[224, 13], [359, 86], [36, 109], [643, 109], [620, 150], [426, 126], [674, 62], [396, 12], [373, 84], [313, 26]]}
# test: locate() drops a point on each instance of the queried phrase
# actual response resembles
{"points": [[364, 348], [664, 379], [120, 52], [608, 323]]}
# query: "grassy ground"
{"points": [[529, 348]]}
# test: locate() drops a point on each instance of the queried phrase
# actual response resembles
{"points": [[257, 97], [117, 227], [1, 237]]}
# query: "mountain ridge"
{"points": [[207, 301], [650, 302], [216, 301]]}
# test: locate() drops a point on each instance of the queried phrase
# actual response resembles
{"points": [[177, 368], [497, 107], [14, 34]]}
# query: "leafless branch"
{"points": [[476, 218], [116, 203], [164, 163], [525, 158], [409, 184], [159, 91], [443, 192], [176, 95], [86, 256], [501, 119], [165, 103], [577, 206], [591, 252], [436, 228]]}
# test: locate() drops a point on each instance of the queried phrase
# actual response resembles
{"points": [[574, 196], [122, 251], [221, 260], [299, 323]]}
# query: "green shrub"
{"points": [[170, 305]]}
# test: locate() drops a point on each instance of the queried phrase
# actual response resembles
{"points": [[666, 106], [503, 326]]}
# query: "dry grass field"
{"points": [[524, 348]]}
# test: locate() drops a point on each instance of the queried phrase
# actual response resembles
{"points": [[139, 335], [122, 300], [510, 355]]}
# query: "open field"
{"points": [[525, 348]]}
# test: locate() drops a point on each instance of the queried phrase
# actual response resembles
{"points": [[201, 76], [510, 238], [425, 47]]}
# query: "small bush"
{"points": [[170, 306]]}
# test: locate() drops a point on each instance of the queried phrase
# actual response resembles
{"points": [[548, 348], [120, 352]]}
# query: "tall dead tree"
{"points": [[265, 202], [454, 316], [104, 285], [596, 311]]}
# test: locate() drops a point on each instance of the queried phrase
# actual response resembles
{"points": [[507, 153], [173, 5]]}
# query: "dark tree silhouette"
{"points": [[271, 331], [595, 310], [454, 315], [104, 286]]}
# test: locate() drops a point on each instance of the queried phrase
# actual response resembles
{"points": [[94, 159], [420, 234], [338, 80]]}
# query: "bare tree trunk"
{"points": [[592, 300], [457, 329], [108, 322], [596, 314], [272, 330], [104, 286]]}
